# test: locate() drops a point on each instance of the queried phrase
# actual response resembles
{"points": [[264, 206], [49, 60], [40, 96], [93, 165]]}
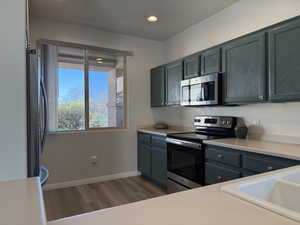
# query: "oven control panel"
{"points": [[214, 121]]}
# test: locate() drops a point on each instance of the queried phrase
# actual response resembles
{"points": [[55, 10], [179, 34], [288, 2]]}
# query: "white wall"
{"points": [[12, 90], [241, 18], [67, 155], [238, 19]]}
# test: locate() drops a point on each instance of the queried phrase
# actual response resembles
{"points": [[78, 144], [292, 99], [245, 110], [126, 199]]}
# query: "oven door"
{"points": [[185, 93], [205, 90], [185, 162]]}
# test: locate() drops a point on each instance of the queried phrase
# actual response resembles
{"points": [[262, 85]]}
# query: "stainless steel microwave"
{"points": [[204, 90]]}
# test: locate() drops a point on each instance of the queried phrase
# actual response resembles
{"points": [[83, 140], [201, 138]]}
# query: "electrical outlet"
{"points": [[93, 159], [258, 123]]}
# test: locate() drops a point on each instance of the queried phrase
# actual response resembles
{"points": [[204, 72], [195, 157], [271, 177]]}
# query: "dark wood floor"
{"points": [[71, 201]]}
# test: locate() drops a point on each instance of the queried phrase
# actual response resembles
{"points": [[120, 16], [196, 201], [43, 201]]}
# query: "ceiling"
{"points": [[129, 16]]}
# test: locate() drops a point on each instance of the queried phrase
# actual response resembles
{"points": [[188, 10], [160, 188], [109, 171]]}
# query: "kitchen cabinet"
{"points": [[261, 164], [216, 173], [144, 155], [191, 65], [259, 67], [244, 70], [152, 158], [211, 61], [284, 66], [158, 83], [159, 165], [174, 75], [226, 157], [224, 164]]}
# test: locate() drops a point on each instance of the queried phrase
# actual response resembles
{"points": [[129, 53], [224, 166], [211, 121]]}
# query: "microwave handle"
{"points": [[206, 93], [202, 94]]}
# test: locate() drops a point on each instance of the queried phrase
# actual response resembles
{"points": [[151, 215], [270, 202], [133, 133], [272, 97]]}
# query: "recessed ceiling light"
{"points": [[152, 19], [99, 59]]}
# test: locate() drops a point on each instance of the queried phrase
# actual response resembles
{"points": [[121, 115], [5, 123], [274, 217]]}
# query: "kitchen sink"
{"points": [[279, 192]]}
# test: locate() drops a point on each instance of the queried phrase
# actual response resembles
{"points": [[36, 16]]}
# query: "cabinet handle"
{"points": [[219, 177], [269, 168], [261, 97], [220, 156]]}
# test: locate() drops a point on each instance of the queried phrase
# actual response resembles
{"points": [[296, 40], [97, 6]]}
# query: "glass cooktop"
{"points": [[192, 136]]}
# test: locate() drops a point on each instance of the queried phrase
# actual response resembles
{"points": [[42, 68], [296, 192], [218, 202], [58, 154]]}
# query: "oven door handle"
{"points": [[184, 143]]}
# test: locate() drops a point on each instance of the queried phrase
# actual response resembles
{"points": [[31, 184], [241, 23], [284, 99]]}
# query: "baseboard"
{"points": [[91, 180]]}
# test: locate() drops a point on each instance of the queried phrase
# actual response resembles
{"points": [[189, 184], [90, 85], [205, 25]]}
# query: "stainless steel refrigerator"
{"points": [[36, 114]]}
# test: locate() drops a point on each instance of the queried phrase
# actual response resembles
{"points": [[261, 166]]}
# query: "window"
{"points": [[85, 88]]}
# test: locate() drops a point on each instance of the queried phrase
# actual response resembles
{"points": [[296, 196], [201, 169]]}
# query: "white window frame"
{"points": [[85, 48]]}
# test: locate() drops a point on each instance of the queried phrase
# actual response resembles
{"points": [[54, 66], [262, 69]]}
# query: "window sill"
{"points": [[95, 130]]}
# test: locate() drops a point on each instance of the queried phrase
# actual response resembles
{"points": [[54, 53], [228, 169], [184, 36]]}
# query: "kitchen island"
{"points": [[22, 202]]}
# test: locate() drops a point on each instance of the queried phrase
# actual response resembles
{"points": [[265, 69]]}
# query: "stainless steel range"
{"points": [[186, 152]]}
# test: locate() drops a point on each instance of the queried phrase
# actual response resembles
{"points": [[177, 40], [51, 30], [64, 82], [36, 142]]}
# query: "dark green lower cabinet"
{"points": [[152, 158], [145, 160], [216, 174], [224, 164], [159, 165]]}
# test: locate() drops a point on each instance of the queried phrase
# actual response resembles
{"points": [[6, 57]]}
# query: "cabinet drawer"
{"points": [[159, 141], [263, 164], [216, 174], [223, 156]]}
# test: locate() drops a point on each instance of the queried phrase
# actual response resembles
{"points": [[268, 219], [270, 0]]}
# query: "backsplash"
{"points": [[268, 121]]}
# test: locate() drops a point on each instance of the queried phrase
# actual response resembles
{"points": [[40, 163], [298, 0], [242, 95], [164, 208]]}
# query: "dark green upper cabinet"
{"points": [[284, 62], [174, 75], [211, 61], [191, 65], [158, 87], [244, 70]]}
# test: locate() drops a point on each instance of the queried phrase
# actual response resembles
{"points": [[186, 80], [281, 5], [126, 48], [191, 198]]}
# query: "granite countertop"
{"points": [[164, 132], [22, 202], [290, 151], [201, 206]]}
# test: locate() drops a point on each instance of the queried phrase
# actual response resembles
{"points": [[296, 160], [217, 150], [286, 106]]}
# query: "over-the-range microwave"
{"points": [[203, 90]]}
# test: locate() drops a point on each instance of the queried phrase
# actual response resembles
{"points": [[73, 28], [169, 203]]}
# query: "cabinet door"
{"points": [[174, 75], [159, 165], [284, 64], [191, 66], [158, 87], [144, 154], [211, 61], [244, 67], [144, 160]]}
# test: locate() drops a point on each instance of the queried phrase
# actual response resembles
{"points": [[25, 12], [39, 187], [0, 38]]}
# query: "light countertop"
{"points": [[164, 132], [22, 202], [202, 206], [290, 151], [285, 150]]}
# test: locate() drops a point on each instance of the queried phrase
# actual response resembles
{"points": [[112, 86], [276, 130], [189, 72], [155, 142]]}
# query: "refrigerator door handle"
{"points": [[45, 116]]}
